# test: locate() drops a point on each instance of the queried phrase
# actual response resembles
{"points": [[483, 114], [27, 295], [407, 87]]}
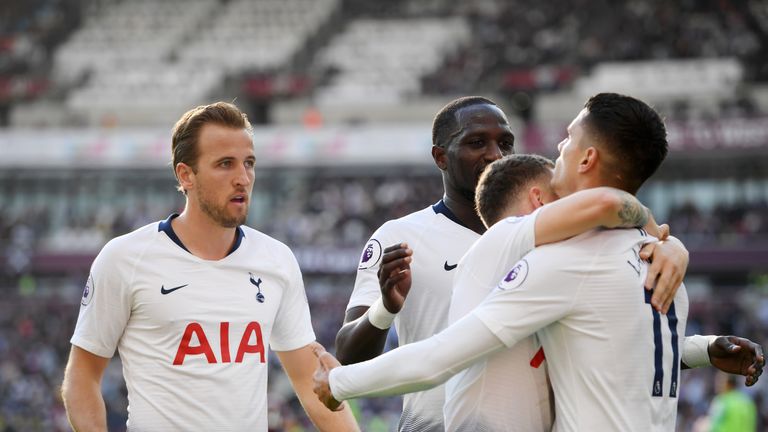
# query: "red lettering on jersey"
{"points": [[224, 333], [245, 347], [185, 349]]}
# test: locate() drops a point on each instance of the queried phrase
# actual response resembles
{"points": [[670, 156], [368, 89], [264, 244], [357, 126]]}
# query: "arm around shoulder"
{"points": [[81, 390], [300, 365], [588, 209]]}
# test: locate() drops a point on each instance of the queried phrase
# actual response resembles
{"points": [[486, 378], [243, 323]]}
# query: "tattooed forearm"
{"points": [[632, 212]]}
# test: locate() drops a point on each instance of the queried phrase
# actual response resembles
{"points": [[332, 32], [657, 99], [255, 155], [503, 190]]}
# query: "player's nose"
{"points": [[244, 176], [493, 152]]}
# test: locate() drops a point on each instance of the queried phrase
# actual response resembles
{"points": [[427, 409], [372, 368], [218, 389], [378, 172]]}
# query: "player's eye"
{"points": [[250, 163]]}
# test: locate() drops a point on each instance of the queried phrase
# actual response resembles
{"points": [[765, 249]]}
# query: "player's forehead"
{"points": [[481, 116], [216, 141], [579, 121]]}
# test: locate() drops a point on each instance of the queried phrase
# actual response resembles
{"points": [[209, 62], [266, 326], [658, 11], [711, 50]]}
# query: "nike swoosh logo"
{"points": [[168, 291], [449, 267]]}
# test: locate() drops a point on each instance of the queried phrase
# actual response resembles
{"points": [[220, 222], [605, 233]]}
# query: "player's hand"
{"points": [[737, 355], [661, 232], [668, 263], [395, 276], [322, 386]]}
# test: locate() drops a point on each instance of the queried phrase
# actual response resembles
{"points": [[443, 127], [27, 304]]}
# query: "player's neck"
{"points": [[464, 210], [202, 237]]}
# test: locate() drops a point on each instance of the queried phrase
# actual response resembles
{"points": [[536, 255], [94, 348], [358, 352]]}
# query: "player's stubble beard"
{"points": [[218, 214]]}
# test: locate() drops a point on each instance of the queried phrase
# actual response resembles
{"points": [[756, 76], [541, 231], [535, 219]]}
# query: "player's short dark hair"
{"points": [[445, 122], [632, 132], [504, 180], [186, 132]]}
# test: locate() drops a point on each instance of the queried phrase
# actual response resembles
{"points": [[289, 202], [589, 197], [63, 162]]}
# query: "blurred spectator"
{"points": [[731, 410]]}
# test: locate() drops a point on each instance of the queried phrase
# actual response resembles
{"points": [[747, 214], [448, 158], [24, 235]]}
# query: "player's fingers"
{"points": [[759, 356], [402, 245], [666, 286], [327, 361], [317, 349], [647, 251], [663, 231], [391, 268], [395, 252], [652, 275], [397, 278]]}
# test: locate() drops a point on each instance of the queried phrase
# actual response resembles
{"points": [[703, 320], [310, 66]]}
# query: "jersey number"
{"points": [[658, 350]]}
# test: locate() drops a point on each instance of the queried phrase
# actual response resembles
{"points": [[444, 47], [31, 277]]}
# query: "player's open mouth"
{"points": [[240, 199]]}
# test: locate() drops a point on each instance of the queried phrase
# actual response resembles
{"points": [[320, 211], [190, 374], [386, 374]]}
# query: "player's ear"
{"points": [[186, 175], [535, 197], [440, 157], [589, 159]]}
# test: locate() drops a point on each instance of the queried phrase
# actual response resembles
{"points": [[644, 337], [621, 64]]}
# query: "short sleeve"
{"points": [[532, 295], [367, 289], [293, 324], [105, 306], [494, 253]]}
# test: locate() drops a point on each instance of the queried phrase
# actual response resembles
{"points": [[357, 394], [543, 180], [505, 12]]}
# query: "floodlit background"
{"points": [[342, 94]]}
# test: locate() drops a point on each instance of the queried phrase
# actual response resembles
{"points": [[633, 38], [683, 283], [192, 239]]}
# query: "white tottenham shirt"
{"points": [[438, 241], [614, 361], [503, 392], [192, 334]]}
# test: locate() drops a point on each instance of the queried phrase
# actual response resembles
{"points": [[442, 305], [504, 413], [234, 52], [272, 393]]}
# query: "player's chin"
{"points": [[235, 219]]}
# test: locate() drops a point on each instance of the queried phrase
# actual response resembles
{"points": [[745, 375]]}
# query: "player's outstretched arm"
{"points": [[592, 208], [364, 333], [668, 264], [300, 365], [81, 391], [410, 368], [731, 354]]}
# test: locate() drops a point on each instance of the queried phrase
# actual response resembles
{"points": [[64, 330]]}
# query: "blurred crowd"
{"points": [[724, 224], [317, 210], [578, 34]]}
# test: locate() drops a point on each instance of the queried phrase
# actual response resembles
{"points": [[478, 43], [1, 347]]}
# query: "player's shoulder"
{"points": [[417, 221], [128, 246], [133, 240], [256, 238], [510, 224]]}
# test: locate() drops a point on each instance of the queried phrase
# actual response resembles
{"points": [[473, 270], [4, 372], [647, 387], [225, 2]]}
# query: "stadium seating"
{"points": [[391, 69]]}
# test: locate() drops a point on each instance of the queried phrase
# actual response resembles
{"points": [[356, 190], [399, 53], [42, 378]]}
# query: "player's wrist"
{"points": [[379, 316], [696, 350]]}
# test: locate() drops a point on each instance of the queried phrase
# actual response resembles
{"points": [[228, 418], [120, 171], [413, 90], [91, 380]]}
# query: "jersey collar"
{"points": [[440, 208], [165, 226]]}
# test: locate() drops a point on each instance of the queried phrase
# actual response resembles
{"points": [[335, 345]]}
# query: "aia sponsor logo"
{"points": [[251, 345]]}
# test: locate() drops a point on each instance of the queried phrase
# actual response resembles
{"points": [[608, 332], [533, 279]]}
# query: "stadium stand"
{"points": [[89, 88]]}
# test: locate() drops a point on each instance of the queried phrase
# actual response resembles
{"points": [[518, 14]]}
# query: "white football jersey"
{"points": [[438, 241], [613, 360], [192, 333], [502, 392]]}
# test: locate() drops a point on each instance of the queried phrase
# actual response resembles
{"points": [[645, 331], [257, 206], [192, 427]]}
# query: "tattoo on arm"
{"points": [[632, 213]]}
